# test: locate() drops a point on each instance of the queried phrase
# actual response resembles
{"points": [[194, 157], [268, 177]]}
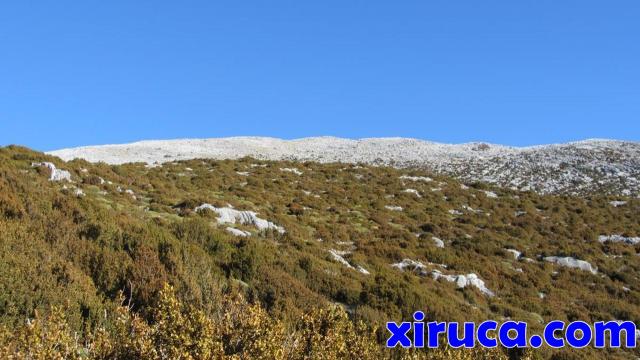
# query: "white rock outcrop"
{"points": [[412, 191], [411, 265], [416, 178], [617, 203], [516, 254], [490, 194], [572, 263], [393, 208], [292, 170], [56, 174], [438, 242], [228, 215], [460, 280], [338, 256], [619, 238], [463, 281]]}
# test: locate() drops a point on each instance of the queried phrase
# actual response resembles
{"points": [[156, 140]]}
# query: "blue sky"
{"points": [[513, 72]]}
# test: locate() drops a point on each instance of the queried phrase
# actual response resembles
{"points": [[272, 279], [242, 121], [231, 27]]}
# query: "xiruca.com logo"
{"points": [[510, 334]]}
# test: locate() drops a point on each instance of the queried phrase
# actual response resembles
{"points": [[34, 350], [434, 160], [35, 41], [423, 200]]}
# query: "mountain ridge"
{"points": [[576, 168], [330, 137]]}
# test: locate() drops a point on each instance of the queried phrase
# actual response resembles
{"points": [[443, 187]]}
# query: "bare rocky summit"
{"points": [[604, 166]]}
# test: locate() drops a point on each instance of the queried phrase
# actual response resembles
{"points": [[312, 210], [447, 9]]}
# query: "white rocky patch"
{"points": [[416, 178], [78, 192], [242, 173], [470, 209], [393, 208], [237, 232], [131, 193], [291, 170], [516, 254], [455, 212], [338, 256], [619, 238], [56, 174], [228, 215], [463, 281], [438, 242], [572, 263], [411, 265], [412, 191], [490, 194], [617, 203]]}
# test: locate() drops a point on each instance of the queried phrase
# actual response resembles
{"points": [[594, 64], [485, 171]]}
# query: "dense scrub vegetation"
{"points": [[239, 331], [88, 261]]}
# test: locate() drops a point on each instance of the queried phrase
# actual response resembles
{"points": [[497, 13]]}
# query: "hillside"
{"points": [[378, 242], [578, 168]]}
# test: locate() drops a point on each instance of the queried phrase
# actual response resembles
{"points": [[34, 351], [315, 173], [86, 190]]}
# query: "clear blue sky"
{"points": [[513, 72]]}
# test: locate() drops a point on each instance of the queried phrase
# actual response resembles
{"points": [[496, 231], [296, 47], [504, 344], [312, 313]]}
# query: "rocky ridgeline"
{"points": [[603, 166]]}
